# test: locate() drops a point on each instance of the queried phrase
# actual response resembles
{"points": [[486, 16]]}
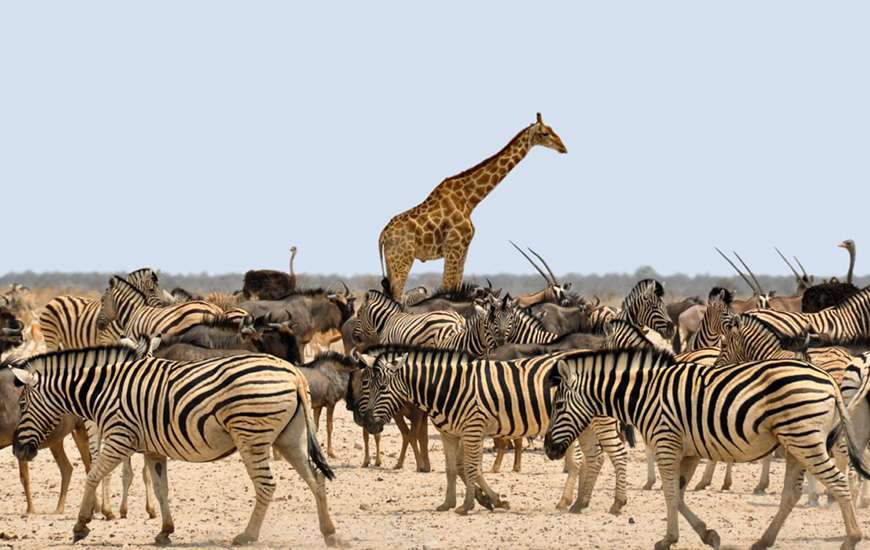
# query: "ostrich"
{"points": [[292, 282], [832, 292]]}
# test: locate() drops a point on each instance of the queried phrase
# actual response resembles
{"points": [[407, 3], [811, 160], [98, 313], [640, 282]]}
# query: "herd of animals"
{"points": [[175, 375]]}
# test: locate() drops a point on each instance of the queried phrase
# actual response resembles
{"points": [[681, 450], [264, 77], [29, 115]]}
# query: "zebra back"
{"points": [[381, 319]]}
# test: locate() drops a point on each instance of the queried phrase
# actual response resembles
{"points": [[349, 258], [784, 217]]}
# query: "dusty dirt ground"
{"points": [[384, 508]]}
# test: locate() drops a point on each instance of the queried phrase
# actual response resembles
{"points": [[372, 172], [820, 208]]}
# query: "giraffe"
{"points": [[440, 226]]}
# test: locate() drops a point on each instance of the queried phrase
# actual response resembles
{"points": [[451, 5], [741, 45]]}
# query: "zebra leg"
{"points": [[668, 460], [864, 500], [707, 478], [110, 456], [593, 459], [472, 451], [812, 491], [126, 481], [650, 470], [147, 480], [726, 483], [573, 457], [764, 481], [708, 536], [292, 443], [377, 450], [518, 454], [791, 493], [66, 469], [156, 467], [612, 445], [257, 464], [451, 450], [24, 476], [500, 444]]}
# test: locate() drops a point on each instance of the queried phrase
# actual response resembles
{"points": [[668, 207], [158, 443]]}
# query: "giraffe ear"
{"points": [[539, 119]]}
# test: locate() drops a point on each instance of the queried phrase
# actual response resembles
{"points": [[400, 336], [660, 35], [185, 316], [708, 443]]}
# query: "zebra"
{"points": [[680, 408], [644, 307], [126, 304], [468, 399], [748, 338], [70, 322], [192, 411], [381, 320], [847, 323], [716, 317]]}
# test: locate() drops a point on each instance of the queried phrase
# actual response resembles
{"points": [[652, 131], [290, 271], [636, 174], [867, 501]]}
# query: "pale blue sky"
{"points": [[198, 136]]}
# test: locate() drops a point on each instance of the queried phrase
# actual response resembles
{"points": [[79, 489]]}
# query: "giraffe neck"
{"points": [[468, 188]]}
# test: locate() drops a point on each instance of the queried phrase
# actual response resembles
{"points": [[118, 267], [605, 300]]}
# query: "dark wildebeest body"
{"points": [[576, 340], [562, 320], [328, 376]]}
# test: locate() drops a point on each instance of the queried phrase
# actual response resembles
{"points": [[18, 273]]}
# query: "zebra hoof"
{"points": [[648, 485], [759, 491], [711, 538], [162, 539], [760, 546], [333, 541], [123, 513], [616, 508], [109, 515], [242, 539], [425, 469], [80, 532], [444, 507], [664, 544], [701, 486], [460, 510]]}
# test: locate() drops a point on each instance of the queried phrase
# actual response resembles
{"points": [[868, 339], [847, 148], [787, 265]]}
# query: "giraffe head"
{"points": [[545, 136]]}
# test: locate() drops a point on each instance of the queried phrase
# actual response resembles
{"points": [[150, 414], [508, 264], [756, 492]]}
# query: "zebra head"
{"points": [[372, 315], [148, 283], [570, 414], [386, 390], [748, 338], [644, 306], [38, 417]]}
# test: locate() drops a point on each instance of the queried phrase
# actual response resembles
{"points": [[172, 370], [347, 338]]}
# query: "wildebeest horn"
{"points": [[346, 289], [488, 283], [737, 269], [781, 255], [751, 274], [526, 256], [550, 271], [597, 300]]}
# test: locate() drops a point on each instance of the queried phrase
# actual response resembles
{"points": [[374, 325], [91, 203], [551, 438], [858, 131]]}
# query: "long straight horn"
{"points": [[781, 255], [737, 269], [751, 274], [804, 271], [526, 256], [550, 271]]}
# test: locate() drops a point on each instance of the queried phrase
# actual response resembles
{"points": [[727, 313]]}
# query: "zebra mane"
{"points": [[377, 294], [726, 294], [340, 358], [118, 279], [854, 299], [124, 353], [657, 353], [141, 271], [789, 342], [378, 351]]}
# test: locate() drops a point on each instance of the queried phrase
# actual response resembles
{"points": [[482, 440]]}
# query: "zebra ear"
{"points": [[366, 359], [397, 364], [566, 373], [24, 377]]}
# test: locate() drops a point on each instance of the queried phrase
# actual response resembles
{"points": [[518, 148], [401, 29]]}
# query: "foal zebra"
{"points": [[128, 306], [192, 411], [687, 412], [381, 320], [469, 399]]}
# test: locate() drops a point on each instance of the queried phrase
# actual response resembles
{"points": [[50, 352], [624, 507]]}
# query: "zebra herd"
{"points": [[479, 365]]}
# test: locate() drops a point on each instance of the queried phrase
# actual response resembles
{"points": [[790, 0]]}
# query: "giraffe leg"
{"points": [[399, 258], [454, 262], [66, 469]]}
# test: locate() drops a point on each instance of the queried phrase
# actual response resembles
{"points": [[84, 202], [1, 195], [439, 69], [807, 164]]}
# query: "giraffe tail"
{"points": [[385, 281]]}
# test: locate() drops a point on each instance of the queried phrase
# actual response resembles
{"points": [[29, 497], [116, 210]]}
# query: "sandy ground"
{"points": [[384, 508]]}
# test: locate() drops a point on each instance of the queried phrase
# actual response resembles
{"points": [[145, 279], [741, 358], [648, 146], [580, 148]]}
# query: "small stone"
{"points": [[631, 520], [365, 507]]}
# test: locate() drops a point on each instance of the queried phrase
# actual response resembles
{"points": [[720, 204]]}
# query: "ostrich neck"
{"points": [[851, 265]]}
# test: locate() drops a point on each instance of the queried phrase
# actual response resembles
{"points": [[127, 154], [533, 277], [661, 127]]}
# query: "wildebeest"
{"points": [[328, 377], [10, 413]]}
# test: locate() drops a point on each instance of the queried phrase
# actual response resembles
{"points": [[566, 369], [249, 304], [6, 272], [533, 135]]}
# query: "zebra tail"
{"points": [[629, 435], [315, 453], [856, 454]]}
